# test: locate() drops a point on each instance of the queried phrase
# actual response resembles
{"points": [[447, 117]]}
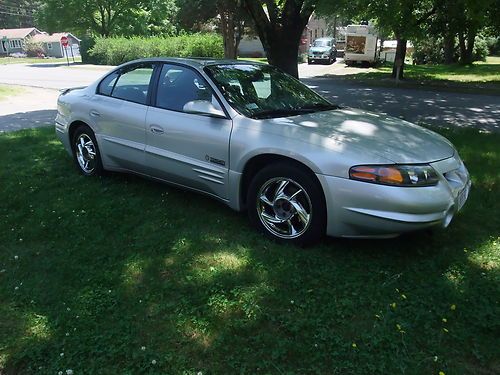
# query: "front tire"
{"points": [[287, 203], [86, 152]]}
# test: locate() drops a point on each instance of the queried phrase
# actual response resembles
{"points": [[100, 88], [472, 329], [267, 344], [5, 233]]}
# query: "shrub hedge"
{"points": [[117, 50]]}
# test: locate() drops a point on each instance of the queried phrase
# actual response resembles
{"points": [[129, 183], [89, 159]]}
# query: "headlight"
{"points": [[397, 175]]}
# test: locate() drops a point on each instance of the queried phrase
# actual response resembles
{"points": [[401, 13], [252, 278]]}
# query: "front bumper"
{"points": [[318, 58], [361, 209]]}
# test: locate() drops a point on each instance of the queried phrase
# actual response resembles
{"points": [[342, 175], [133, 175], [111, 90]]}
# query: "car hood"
{"points": [[319, 49], [371, 133]]}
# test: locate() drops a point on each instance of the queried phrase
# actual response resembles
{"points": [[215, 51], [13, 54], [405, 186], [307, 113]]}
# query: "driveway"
{"points": [[433, 107], [30, 108]]}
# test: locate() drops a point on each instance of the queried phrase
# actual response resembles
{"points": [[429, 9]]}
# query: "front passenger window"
{"points": [[133, 85], [179, 85]]}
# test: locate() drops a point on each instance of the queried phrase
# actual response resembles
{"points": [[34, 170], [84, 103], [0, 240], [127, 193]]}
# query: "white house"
{"points": [[12, 40], [53, 47]]}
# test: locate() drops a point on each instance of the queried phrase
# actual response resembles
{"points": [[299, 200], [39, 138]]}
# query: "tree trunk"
{"points": [[239, 31], [227, 29], [471, 37], [280, 29], [284, 54], [449, 47], [399, 59], [283, 51], [463, 49]]}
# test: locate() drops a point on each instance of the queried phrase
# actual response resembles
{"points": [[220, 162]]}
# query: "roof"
{"points": [[16, 33], [196, 62], [394, 43], [56, 37]]}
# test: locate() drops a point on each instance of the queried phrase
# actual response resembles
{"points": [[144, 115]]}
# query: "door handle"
{"points": [[155, 129], [94, 113]]}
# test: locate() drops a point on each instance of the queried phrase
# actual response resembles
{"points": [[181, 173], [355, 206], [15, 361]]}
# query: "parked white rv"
{"points": [[361, 44]]}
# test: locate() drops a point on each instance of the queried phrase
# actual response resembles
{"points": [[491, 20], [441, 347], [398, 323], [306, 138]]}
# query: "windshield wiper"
{"points": [[321, 107], [270, 113], [282, 112]]}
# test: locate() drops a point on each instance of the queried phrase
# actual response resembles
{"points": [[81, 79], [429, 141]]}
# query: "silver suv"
{"points": [[322, 50]]}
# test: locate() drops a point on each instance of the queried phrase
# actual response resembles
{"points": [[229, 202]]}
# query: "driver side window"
{"points": [[179, 85]]}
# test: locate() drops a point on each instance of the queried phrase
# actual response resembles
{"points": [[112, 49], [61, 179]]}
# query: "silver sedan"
{"points": [[259, 140]]}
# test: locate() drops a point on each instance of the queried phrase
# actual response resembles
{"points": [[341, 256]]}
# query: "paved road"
{"points": [[52, 76], [439, 108], [417, 105]]}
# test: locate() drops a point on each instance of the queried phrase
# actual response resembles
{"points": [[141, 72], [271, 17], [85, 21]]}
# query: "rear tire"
{"points": [[86, 153], [287, 204]]}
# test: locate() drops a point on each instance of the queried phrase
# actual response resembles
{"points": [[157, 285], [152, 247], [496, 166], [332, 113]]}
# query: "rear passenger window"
{"points": [[133, 85], [107, 84]]}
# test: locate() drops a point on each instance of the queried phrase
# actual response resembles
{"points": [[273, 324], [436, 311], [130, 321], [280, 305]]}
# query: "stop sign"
{"points": [[64, 41]]}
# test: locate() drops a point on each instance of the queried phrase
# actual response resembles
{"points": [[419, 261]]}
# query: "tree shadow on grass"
{"points": [[109, 266], [23, 120]]}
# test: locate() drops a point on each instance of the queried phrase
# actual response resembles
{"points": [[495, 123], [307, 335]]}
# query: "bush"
{"points": [[33, 49], [117, 50], [86, 45], [493, 46], [480, 49], [428, 51]]}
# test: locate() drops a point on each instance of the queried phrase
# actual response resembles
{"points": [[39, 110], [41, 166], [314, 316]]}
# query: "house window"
{"points": [[49, 45], [15, 43], [315, 33]]}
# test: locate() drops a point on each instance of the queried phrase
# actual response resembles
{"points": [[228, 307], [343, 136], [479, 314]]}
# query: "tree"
{"points": [[405, 19], [17, 13], [228, 15], [470, 17], [402, 18], [459, 20], [150, 18], [106, 17], [280, 24]]}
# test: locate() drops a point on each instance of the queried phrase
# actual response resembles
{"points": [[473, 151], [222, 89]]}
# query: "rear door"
{"points": [[187, 149], [119, 113]]}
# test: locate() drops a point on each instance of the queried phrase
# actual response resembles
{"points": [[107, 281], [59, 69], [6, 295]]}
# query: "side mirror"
{"points": [[203, 107]]}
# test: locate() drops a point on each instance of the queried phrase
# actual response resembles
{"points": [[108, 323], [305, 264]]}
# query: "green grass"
{"points": [[6, 91], [35, 60], [93, 270], [487, 72]]}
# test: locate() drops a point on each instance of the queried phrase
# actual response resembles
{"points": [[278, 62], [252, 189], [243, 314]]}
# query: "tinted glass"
{"points": [[262, 91], [133, 85], [179, 85], [107, 84]]}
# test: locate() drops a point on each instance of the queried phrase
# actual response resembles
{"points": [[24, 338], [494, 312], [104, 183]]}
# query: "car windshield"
{"points": [[320, 43], [263, 91]]}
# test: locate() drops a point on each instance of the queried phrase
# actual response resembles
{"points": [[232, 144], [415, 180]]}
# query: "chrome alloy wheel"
{"points": [[85, 153], [284, 207]]}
